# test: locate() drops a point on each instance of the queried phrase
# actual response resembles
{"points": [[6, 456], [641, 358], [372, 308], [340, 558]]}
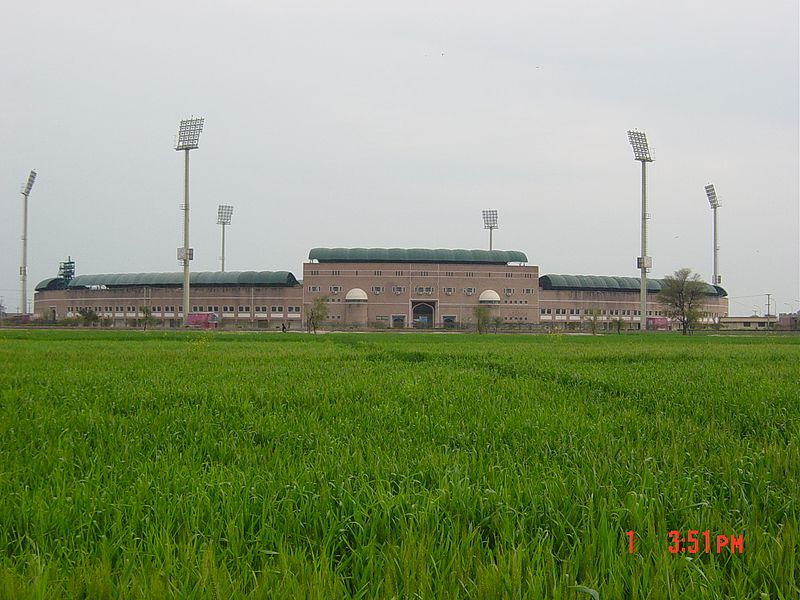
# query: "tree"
{"points": [[619, 324], [88, 316], [316, 313], [147, 317], [497, 322], [681, 295], [482, 318]]}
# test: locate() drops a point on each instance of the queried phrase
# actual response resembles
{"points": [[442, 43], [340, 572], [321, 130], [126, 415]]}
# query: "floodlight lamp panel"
{"points": [[189, 133], [490, 219], [638, 141], [224, 214], [711, 194], [26, 188]]}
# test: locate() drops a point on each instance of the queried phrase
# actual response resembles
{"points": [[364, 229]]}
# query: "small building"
{"points": [[753, 323]]}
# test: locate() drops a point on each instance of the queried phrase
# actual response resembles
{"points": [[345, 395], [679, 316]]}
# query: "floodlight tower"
{"points": [[23, 269], [641, 152], [711, 194], [490, 223], [188, 139], [224, 214]]}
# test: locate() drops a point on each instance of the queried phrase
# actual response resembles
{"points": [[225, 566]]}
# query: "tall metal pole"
{"points": [[23, 270], [186, 306], [643, 277], [188, 138], [223, 247], [717, 278], [641, 152], [490, 238]]}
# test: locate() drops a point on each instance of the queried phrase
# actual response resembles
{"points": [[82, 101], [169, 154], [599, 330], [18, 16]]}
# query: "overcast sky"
{"points": [[393, 124]]}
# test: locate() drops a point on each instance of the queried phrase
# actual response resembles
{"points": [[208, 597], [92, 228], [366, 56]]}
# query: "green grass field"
{"points": [[138, 465]]}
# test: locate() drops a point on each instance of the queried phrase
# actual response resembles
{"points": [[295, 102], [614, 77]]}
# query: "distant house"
{"points": [[753, 323]]}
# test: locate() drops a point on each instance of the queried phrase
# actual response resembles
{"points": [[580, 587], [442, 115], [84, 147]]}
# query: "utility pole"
{"points": [[768, 307]]}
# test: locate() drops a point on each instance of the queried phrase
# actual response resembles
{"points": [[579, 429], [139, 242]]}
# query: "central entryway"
{"points": [[423, 314]]}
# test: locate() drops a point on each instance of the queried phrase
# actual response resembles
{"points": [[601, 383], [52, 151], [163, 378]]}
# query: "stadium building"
{"points": [[371, 287]]}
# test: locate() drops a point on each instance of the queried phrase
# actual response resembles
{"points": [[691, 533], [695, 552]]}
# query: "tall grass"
{"points": [[198, 465]]}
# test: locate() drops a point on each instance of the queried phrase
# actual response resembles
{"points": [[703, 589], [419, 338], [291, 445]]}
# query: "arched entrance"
{"points": [[422, 314]]}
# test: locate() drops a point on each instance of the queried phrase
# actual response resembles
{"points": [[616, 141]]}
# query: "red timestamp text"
{"points": [[695, 542]]}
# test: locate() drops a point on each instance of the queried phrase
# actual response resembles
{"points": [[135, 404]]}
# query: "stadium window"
{"points": [[398, 273], [313, 272], [336, 273], [528, 275], [378, 273], [469, 274], [313, 288], [448, 273], [509, 275]]}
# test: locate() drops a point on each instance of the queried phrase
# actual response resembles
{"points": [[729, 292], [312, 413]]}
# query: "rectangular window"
{"points": [[509, 275], [508, 291], [469, 291], [527, 291], [241, 308], [313, 288], [378, 273], [398, 289], [449, 290], [469, 274], [335, 289], [528, 275], [398, 273], [313, 272], [336, 273], [448, 273], [377, 289]]}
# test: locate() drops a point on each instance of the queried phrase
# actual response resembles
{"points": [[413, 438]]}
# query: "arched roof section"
{"points": [[356, 295], [50, 284], [417, 255], [489, 297], [198, 279], [605, 283]]}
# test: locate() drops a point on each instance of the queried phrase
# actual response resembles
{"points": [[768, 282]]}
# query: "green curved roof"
{"points": [[416, 255], [52, 283], [199, 279], [605, 283]]}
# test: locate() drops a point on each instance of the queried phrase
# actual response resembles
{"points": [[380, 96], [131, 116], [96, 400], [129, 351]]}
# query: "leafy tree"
{"points": [[682, 295], [88, 316], [619, 324], [593, 315], [482, 318], [147, 317], [498, 323], [316, 313]]}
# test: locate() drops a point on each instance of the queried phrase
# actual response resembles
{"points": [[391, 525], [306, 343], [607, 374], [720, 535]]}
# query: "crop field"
{"points": [[197, 465]]}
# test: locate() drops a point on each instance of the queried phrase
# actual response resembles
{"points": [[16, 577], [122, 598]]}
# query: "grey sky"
{"points": [[377, 124]]}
